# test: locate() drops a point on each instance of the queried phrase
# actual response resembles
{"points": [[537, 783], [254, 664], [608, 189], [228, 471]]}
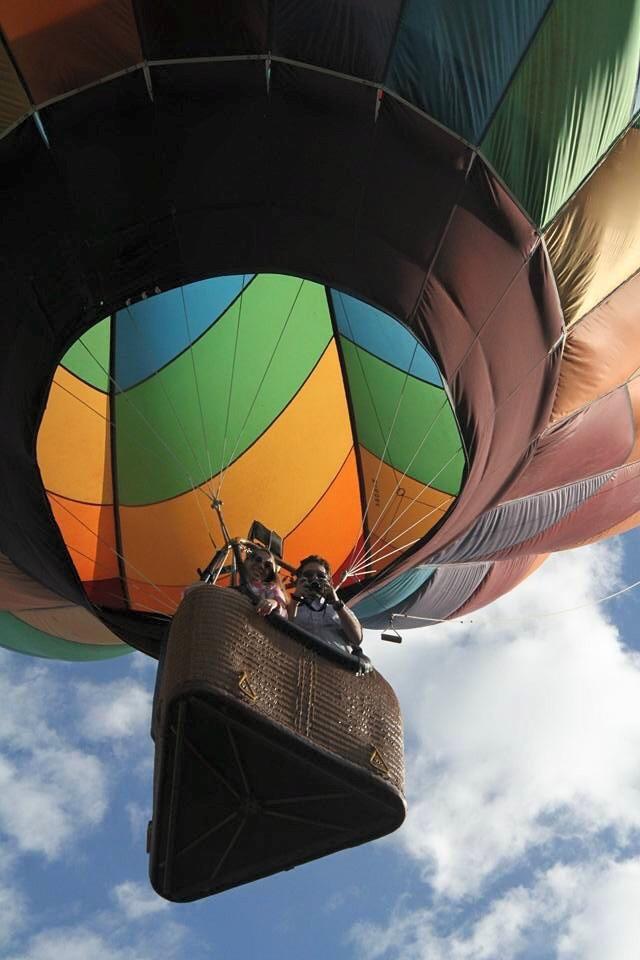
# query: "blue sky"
{"points": [[523, 768]]}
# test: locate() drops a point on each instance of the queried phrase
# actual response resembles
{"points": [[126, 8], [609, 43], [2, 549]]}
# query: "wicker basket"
{"points": [[270, 750]]}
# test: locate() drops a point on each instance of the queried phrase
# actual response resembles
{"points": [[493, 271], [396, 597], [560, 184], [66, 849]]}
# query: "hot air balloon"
{"points": [[369, 270], [365, 272]]}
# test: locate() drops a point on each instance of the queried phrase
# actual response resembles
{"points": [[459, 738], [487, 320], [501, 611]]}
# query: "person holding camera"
{"points": [[317, 608]]}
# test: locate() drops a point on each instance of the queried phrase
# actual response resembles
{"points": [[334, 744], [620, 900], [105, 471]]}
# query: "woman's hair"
{"points": [[253, 551], [272, 576], [314, 558]]}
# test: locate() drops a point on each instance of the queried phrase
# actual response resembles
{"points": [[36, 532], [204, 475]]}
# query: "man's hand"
{"points": [[330, 595]]}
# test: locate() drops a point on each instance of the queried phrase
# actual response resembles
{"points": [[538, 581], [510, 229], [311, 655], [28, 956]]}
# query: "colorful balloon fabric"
{"points": [[368, 273]]}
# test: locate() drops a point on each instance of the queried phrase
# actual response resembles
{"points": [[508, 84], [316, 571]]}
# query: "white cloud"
{"points": [[52, 791], [139, 817], [29, 698], [588, 912], [114, 711], [138, 900], [140, 663], [522, 730], [12, 912], [94, 943], [49, 796], [500, 932], [49, 789], [606, 919], [74, 944]]}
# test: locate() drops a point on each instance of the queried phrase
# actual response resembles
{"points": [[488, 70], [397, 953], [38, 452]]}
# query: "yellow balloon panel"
{"points": [[278, 480], [594, 245], [73, 441]]}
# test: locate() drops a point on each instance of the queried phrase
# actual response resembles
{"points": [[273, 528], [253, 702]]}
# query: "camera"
{"points": [[316, 585]]}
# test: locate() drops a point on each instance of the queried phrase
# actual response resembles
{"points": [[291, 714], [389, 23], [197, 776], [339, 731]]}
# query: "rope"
{"points": [[229, 395], [142, 446], [525, 617], [115, 596], [357, 553], [124, 395], [105, 543], [364, 568], [403, 476], [101, 416], [468, 352], [259, 387], [374, 555], [167, 397], [205, 440], [192, 485]]}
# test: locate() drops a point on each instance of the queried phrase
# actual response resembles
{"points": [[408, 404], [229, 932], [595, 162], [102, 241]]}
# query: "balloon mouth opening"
{"points": [[291, 401]]}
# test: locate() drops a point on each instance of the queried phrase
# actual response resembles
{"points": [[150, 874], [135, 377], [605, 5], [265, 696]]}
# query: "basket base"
{"points": [[238, 797]]}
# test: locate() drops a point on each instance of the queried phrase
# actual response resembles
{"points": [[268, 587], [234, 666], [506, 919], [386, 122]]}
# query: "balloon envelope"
{"points": [[368, 275]]}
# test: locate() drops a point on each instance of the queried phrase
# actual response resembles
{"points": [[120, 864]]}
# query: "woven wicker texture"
{"points": [[217, 637], [268, 752]]}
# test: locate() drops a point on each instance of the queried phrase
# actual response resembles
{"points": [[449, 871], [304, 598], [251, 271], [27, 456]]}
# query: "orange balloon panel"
{"points": [[161, 598], [332, 526], [73, 442], [89, 533], [278, 480]]}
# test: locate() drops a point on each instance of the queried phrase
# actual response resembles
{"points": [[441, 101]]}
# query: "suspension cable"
{"points": [[142, 446], [373, 555], [524, 617], [360, 549], [404, 475], [230, 393], [116, 596], [477, 335], [109, 546], [194, 489], [197, 386], [163, 387]]}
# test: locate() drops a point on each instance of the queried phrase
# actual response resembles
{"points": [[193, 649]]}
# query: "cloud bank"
{"points": [[524, 734]]}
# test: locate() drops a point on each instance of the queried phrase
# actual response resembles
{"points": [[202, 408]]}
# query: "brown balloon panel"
{"points": [[270, 750]]}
